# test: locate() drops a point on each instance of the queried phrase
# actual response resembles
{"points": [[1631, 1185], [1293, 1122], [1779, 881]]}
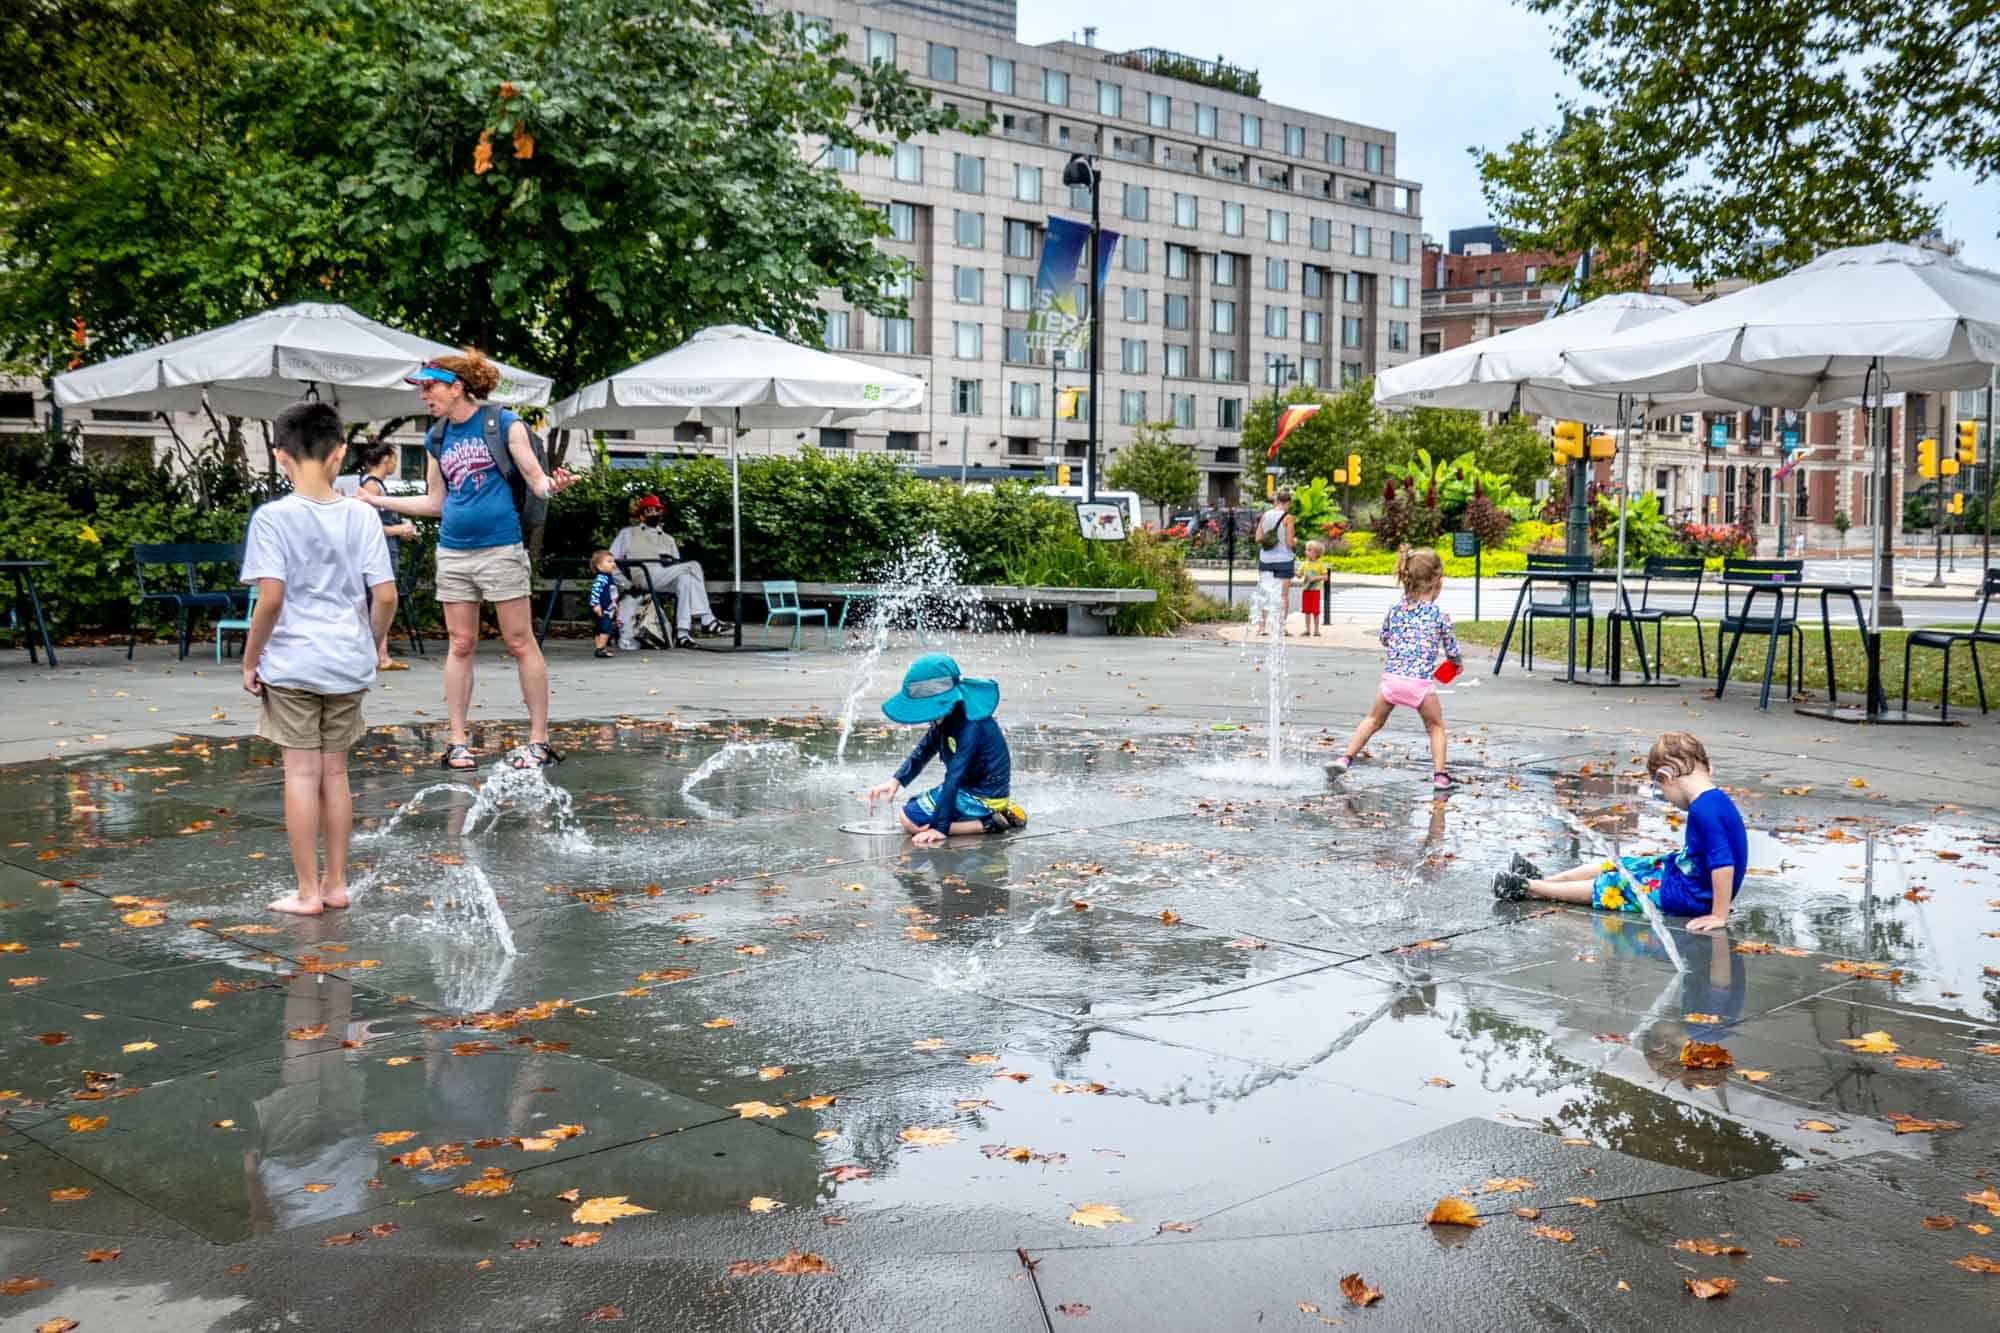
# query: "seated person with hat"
{"points": [[973, 798], [646, 539]]}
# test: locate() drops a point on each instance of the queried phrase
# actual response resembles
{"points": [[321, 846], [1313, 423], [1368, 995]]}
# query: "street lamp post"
{"points": [[1082, 170]]}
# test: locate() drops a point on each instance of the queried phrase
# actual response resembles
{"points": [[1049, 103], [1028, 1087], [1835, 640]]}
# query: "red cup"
{"points": [[1446, 673]]}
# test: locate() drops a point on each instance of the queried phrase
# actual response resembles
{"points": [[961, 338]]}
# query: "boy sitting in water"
{"points": [[1699, 881], [973, 798]]}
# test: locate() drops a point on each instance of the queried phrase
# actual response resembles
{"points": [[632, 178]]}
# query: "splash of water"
{"points": [[465, 906], [527, 792], [1609, 850], [740, 754], [1267, 611], [411, 807]]}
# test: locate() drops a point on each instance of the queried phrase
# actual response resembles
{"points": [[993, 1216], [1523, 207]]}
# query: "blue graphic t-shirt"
{"points": [[1715, 838], [478, 504]]}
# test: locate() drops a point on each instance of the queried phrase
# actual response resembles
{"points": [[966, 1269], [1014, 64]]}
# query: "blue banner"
{"points": [[1057, 321]]}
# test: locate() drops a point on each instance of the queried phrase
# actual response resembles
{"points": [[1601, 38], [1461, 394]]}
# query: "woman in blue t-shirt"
{"points": [[480, 555]]}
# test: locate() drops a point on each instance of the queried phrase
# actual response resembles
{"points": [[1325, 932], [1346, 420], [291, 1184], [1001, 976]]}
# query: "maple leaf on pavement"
{"points": [[1359, 1292], [606, 1210], [1452, 1212], [1096, 1216]]}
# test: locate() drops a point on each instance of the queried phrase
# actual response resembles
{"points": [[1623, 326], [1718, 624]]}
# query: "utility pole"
{"points": [[1083, 170]]}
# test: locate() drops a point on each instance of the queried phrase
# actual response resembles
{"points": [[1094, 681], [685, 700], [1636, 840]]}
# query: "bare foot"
{"points": [[333, 897], [296, 905]]}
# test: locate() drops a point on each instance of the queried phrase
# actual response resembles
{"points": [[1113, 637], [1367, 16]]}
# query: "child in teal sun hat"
{"points": [[973, 798]]}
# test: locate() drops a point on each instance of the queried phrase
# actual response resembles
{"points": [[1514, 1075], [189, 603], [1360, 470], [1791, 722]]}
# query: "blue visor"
{"points": [[430, 374]]}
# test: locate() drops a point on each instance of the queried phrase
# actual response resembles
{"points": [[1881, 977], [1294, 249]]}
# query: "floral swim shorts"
{"points": [[1611, 891]]}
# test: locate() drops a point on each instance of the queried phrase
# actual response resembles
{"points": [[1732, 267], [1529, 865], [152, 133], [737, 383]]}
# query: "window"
{"points": [[1110, 99], [901, 285], [1374, 151], [903, 441], [896, 336], [1530, 273], [1232, 219], [1336, 149], [1312, 280], [1253, 132], [968, 173], [1350, 287], [1222, 316], [1309, 372], [1277, 321], [1131, 408], [1204, 121], [1363, 240], [1399, 292], [965, 398], [841, 158], [1027, 183], [1159, 110], [1322, 233], [970, 229], [1180, 410], [1225, 269], [1399, 335], [1177, 311], [1055, 87], [999, 75], [1399, 248], [880, 46], [1350, 373], [1222, 363], [1177, 360], [1177, 261], [1350, 331], [1024, 400], [1020, 240], [1187, 211], [1079, 198], [1229, 413], [909, 162], [966, 285], [943, 63], [833, 329], [966, 342], [1135, 202], [902, 221], [1479, 278], [1310, 327], [1399, 198], [1132, 355], [1278, 226], [1017, 346], [1295, 140], [1020, 292], [832, 437], [1277, 275], [1135, 253], [1135, 305]]}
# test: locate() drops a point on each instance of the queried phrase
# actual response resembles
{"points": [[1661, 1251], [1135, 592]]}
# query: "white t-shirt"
{"points": [[328, 553]]}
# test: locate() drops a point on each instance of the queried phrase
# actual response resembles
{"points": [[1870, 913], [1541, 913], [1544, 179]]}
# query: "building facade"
{"points": [[1473, 288]]}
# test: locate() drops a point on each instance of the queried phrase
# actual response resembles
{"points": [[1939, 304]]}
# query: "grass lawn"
{"points": [[1851, 665]]}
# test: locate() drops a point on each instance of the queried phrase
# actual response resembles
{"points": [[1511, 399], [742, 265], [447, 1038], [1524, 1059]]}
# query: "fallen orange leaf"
{"points": [[100, 1256], [84, 1124], [307, 1033], [1986, 1199], [1704, 1055], [923, 1137], [1916, 1062], [1359, 1292], [756, 1110], [1977, 1263], [72, 1194], [606, 1210], [794, 1264], [1939, 1223], [1096, 1215], [762, 1204], [1909, 1124], [1452, 1212], [1816, 1126], [583, 1239], [1708, 1288], [1555, 1234], [21, 1286], [769, 1072], [486, 1187], [720, 1023], [389, 1136], [1708, 1247], [1872, 1043]]}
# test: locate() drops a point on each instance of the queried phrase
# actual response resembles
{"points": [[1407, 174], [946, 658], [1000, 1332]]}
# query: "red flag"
{"points": [[1288, 421]]}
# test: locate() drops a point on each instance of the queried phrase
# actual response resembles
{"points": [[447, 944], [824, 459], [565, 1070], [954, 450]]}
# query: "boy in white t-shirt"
{"points": [[325, 594]]}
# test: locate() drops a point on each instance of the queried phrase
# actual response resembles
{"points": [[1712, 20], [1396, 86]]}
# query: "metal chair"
{"points": [[184, 556], [236, 625], [1574, 604], [781, 599], [1781, 576], [1679, 569], [1945, 640]]}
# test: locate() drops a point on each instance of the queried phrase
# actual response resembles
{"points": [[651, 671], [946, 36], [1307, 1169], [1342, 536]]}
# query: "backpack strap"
{"points": [[496, 443]]}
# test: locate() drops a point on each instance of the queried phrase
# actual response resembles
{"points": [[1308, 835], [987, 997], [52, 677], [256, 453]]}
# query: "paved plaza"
{"points": [[676, 1039]]}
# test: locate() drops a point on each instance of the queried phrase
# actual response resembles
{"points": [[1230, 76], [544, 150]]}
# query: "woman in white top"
{"points": [[1275, 558]]}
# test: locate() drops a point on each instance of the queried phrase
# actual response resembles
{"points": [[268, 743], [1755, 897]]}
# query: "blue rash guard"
{"points": [[1715, 838], [977, 766]]}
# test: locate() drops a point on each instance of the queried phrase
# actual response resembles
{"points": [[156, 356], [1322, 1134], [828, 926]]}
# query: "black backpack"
{"points": [[533, 509]]}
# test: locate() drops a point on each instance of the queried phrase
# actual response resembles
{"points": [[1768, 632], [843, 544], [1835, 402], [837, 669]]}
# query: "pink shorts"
{"points": [[1406, 691]]}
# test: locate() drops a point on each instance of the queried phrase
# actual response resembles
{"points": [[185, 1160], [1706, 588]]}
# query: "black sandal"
{"points": [[453, 754], [541, 753]]}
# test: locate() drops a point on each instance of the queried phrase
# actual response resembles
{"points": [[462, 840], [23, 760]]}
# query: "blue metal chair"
{"points": [[1754, 577], [1573, 604], [186, 558], [1679, 569], [239, 626], [781, 599], [1945, 640]]}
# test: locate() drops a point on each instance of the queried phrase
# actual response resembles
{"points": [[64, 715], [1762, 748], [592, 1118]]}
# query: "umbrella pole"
{"points": [[1624, 499], [735, 532]]}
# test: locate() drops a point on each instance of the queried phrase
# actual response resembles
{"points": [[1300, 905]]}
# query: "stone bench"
{"points": [[1089, 610]]}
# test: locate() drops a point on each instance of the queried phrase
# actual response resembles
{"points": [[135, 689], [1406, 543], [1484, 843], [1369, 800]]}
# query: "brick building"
{"points": [[1474, 287]]}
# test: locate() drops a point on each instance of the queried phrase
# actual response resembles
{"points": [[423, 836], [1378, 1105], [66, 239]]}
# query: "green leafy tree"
{"points": [[1347, 422], [1743, 139], [1439, 433], [569, 184], [1155, 468], [1518, 450]]}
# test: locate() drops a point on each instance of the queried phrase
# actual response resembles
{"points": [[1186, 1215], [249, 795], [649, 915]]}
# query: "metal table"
{"points": [[24, 584], [1570, 579]]}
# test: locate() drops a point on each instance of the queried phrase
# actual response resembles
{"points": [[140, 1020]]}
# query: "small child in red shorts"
{"points": [[1312, 579]]}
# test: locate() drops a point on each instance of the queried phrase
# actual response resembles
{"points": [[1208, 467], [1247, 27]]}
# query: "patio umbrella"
{"points": [[258, 367], [1854, 322], [740, 377]]}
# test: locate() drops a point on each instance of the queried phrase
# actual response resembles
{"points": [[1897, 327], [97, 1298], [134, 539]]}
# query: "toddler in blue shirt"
{"points": [[604, 600], [975, 795], [1700, 881]]}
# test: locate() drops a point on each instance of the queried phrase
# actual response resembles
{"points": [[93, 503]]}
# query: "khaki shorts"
{"points": [[303, 720], [483, 574]]}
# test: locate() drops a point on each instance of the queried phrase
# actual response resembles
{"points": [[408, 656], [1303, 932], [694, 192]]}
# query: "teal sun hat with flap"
{"points": [[932, 685]]}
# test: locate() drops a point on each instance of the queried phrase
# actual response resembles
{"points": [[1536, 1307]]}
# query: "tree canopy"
{"points": [[1745, 138], [570, 184], [1156, 469]]}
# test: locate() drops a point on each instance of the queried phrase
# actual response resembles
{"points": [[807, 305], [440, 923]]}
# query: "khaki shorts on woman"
{"points": [[482, 574]]}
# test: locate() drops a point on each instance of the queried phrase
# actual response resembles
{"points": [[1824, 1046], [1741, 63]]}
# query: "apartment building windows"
{"points": [[1136, 253], [1222, 363], [1135, 202], [968, 173], [1027, 183], [1079, 198], [1399, 250], [1132, 355], [1399, 293], [879, 46], [1311, 328], [1020, 240], [943, 62], [1229, 413], [1020, 292], [903, 441], [965, 398], [1131, 408], [1110, 99], [1222, 316], [1178, 265], [1363, 241], [833, 329], [1350, 286], [1309, 371], [1277, 321], [1278, 226], [1180, 410], [1277, 275], [1253, 131], [967, 284], [1312, 280], [1177, 361], [1225, 269], [1350, 331], [1321, 233], [1204, 121], [1024, 400], [1295, 140], [834, 437], [1375, 159], [999, 75], [908, 163], [1055, 87], [1232, 219], [902, 220], [1135, 305], [1350, 373], [1159, 110], [1336, 149], [1015, 346], [969, 230], [967, 342], [839, 157], [1399, 335], [1187, 210], [1177, 311], [897, 336]]}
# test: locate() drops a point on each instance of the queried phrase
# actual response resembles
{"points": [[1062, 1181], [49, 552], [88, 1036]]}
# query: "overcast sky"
{"points": [[1444, 75]]}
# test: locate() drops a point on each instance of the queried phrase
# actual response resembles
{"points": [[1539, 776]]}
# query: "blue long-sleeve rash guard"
{"points": [[976, 757]]}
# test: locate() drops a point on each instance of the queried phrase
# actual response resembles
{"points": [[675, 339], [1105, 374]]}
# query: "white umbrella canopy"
{"points": [[1825, 331], [258, 367], [1489, 374], [740, 377]]}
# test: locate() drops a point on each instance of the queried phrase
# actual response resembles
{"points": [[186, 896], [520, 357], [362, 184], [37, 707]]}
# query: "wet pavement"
{"points": [[1253, 1027]]}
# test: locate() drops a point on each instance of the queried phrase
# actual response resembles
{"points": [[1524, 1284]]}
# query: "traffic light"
{"points": [[1968, 442], [1567, 438], [1948, 467], [1354, 469], [1603, 444], [1062, 474], [1270, 485], [1958, 503], [1927, 457], [1340, 476]]}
